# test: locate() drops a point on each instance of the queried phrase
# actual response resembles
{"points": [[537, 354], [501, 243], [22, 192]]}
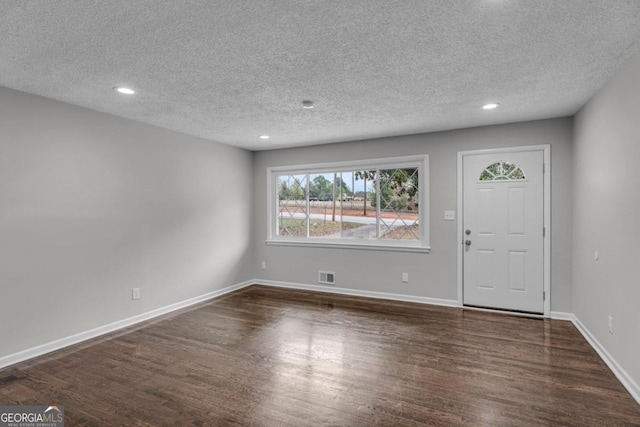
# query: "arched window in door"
{"points": [[502, 171]]}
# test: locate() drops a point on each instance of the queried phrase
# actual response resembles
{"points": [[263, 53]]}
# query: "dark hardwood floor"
{"points": [[276, 357]]}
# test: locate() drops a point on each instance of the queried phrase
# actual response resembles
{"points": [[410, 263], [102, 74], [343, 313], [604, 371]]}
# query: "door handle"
{"points": [[467, 242]]}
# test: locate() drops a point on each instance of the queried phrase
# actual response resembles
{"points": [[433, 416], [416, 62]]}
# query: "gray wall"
{"points": [[92, 205], [431, 275], [607, 216]]}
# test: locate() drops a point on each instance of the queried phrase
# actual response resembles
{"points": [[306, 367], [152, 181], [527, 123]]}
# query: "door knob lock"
{"points": [[467, 242]]}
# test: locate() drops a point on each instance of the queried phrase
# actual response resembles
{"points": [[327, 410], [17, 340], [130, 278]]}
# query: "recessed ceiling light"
{"points": [[264, 137], [490, 106], [124, 90], [307, 104]]}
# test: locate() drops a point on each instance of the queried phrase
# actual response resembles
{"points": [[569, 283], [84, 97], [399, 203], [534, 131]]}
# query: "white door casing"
{"points": [[503, 260]]}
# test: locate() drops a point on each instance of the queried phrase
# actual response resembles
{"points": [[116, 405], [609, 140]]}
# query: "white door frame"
{"points": [[546, 149]]}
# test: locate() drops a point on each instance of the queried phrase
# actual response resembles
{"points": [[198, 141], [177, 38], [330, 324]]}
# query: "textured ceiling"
{"points": [[229, 71]]}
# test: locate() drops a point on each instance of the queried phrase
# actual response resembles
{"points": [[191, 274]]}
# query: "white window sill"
{"points": [[349, 245]]}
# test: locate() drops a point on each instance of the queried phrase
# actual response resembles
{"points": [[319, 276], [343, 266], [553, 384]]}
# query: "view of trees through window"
{"points": [[502, 171], [366, 204]]}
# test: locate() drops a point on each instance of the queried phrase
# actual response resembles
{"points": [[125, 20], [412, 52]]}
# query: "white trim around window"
{"points": [[420, 244]]}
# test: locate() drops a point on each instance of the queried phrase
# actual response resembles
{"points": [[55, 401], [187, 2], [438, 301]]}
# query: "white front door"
{"points": [[503, 220]]}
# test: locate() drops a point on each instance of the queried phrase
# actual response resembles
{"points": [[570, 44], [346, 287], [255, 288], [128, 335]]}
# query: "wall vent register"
{"points": [[327, 277]]}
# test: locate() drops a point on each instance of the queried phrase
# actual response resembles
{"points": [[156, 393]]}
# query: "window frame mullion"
{"points": [[377, 204], [308, 212], [340, 195]]}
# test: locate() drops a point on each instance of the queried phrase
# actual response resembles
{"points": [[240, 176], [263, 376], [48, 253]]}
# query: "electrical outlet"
{"points": [[264, 265], [135, 293], [610, 324], [449, 215], [405, 277]]}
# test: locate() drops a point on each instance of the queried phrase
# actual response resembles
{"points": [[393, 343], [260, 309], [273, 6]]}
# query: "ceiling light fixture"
{"points": [[264, 137], [124, 90], [490, 106], [307, 105]]}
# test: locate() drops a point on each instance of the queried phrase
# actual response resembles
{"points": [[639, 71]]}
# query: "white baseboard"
{"points": [[61, 343], [622, 375], [560, 315], [359, 293]]}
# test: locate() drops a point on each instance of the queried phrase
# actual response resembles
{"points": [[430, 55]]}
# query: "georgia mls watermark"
{"points": [[32, 416]]}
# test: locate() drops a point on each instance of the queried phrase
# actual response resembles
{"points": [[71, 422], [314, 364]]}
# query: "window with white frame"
{"points": [[374, 204]]}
